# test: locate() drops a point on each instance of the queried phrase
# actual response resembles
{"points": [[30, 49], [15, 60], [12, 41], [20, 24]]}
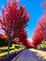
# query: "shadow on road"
{"points": [[11, 56]]}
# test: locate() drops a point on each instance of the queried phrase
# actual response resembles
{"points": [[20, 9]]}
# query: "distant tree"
{"points": [[13, 20], [42, 26], [38, 37], [43, 44], [40, 31]]}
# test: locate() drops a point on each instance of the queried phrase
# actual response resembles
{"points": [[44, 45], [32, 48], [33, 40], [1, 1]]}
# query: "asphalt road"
{"points": [[31, 55]]}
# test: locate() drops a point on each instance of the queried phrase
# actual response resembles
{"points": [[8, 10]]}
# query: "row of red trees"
{"points": [[13, 21], [40, 31]]}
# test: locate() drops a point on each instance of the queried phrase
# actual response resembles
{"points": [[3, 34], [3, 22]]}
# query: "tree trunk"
{"points": [[8, 49]]}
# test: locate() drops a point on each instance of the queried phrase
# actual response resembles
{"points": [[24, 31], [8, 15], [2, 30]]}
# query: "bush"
{"points": [[3, 42]]}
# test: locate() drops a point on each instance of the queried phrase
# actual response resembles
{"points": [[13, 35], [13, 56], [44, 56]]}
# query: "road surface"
{"points": [[31, 55]]}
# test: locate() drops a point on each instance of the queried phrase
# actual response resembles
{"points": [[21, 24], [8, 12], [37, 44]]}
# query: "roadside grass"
{"points": [[12, 49]]}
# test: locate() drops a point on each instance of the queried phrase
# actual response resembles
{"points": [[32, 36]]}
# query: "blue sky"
{"points": [[35, 10]]}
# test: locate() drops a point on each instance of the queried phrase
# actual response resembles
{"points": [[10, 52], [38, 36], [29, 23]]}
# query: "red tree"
{"points": [[13, 21], [24, 39], [40, 31], [42, 25], [38, 37]]}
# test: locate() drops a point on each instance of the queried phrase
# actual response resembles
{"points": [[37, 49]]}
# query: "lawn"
{"points": [[13, 49]]}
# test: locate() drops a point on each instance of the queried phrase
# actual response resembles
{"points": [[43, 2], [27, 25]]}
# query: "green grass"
{"points": [[43, 45], [12, 49], [5, 53]]}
